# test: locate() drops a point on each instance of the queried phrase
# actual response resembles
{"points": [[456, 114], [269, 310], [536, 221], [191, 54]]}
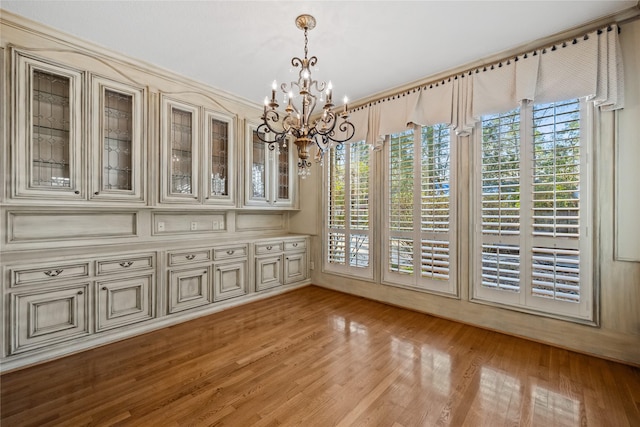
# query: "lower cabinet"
{"points": [[230, 280], [42, 317], [59, 301], [122, 302], [280, 262], [188, 288]]}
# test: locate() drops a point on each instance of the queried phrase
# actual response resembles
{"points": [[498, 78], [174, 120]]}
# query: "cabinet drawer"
{"points": [[189, 257], [42, 318], [295, 245], [268, 248], [124, 265], [230, 252], [40, 274]]}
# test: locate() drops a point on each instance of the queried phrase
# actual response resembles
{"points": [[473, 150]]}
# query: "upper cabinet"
{"points": [[198, 147], [47, 129], [62, 151], [117, 141], [269, 179]]}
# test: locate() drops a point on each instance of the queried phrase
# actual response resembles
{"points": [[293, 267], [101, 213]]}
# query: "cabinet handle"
{"points": [[126, 264], [190, 257], [53, 273], [104, 288], [295, 245], [80, 292], [77, 192], [230, 252], [269, 248], [204, 272]]}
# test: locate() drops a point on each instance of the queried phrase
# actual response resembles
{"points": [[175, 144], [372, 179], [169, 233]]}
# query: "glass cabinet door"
{"points": [[269, 179], [48, 129], [219, 179], [180, 154], [118, 169]]}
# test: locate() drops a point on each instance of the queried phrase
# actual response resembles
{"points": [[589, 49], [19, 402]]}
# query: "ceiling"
{"points": [[363, 47]]}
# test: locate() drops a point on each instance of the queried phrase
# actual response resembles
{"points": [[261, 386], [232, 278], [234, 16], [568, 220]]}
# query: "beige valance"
{"points": [[588, 67]]}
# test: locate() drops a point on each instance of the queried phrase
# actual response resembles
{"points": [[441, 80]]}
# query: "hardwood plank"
{"points": [[315, 357]]}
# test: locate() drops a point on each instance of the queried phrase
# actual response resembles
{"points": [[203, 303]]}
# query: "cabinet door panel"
{"points": [[48, 317], [117, 141], [123, 302], [230, 280], [48, 130], [188, 289], [295, 267], [268, 272]]}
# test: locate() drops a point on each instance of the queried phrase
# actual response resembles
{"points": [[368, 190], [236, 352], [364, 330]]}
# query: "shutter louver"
{"points": [[401, 184]]}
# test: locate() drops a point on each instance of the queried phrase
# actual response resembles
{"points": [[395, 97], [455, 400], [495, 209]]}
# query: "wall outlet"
{"points": [[312, 265], [194, 226], [160, 226]]}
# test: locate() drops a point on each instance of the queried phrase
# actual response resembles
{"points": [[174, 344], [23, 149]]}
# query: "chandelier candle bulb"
{"points": [[306, 133]]}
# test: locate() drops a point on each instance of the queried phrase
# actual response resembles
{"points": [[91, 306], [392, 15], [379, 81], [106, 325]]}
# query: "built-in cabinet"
{"points": [[54, 302], [53, 156], [198, 154], [109, 167], [117, 141], [47, 130], [279, 262], [269, 172]]}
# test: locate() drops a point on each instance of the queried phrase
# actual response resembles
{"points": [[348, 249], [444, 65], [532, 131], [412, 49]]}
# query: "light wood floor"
{"points": [[314, 357]]}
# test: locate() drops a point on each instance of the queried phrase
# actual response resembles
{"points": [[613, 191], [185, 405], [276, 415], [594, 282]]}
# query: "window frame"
{"points": [[586, 310], [449, 287]]}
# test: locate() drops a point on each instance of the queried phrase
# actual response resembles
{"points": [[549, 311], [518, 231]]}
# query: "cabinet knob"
{"points": [[230, 252], [80, 292], [96, 193], [204, 272], [77, 192], [190, 257], [295, 245], [104, 288], [269, 248], [126, 264]]}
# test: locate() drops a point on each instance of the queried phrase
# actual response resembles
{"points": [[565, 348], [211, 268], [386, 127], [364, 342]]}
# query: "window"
{"points": [[419, 248], [533, 249], [347, 207]]}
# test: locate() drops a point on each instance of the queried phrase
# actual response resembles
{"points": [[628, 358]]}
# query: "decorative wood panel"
{"points": [[36, 226]]}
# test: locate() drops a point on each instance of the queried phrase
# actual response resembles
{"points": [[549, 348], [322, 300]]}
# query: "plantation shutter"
{"points": [[533, 235], [347, 202], [420, 241]]}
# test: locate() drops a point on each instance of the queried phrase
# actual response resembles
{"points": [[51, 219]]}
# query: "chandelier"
{"points": [[295, 123]]}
